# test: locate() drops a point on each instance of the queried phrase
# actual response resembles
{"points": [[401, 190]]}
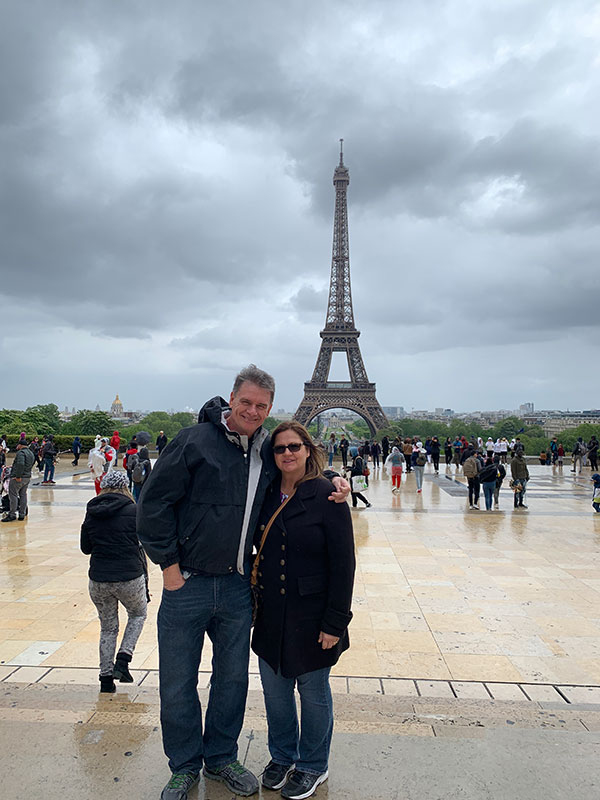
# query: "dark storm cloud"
{"points": [[166, 177]]}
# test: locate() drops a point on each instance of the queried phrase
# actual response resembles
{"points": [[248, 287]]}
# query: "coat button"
{"points": [[261, 586], [262, 527], [282, 591], [283, 533], [282, 562], [283, 547], [262, 558], [282, 577], [260, 574]]}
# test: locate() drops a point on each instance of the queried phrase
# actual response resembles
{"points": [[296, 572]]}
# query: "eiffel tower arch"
{"points": [[340, 333]]}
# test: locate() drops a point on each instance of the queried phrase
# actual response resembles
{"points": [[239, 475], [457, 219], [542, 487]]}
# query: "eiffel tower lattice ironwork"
{"points": [[340, 334]]}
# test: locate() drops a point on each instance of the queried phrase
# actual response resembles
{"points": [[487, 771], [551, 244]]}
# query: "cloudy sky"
{"points": [[166, 198]]}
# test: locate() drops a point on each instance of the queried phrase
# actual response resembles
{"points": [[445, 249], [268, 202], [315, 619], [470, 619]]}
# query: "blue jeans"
{"points": [[330, 459], [488, 492], [221, 607], [308, 748], [419, 475], [48, 469]]}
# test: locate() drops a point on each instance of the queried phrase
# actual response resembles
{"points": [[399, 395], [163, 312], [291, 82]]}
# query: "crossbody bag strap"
{"points": [[279, 509]]}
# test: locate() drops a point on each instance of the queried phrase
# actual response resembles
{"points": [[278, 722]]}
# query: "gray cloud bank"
{"points": [[166, 200]]}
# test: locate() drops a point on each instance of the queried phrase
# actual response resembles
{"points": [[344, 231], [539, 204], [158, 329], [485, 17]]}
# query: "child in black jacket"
{"points": [[118, 574]]}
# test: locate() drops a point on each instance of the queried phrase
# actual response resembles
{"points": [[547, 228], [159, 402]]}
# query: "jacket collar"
{"points": [[297, 505]]}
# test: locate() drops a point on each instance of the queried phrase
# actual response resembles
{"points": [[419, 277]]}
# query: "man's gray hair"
{"points": [[257, 376]]}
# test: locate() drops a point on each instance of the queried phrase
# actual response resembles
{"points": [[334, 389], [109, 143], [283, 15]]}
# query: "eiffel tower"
{"points": [[340, 334]]}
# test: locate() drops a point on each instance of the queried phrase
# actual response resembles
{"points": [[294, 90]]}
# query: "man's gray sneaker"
{"points": [[275, 775], [179, 785], [302, 784], [236, 777]]}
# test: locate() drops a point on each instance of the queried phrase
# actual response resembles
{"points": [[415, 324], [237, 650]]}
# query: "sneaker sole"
{"points": [[281, 783], [214, 777], [321, 779]]}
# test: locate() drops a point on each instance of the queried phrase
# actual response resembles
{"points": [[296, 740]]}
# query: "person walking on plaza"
{"points": [[20, 475], [448, 451], [118, 573], [385, 448], [130, 460], [418, 461], [407, 449], [554, 450], [358, 470], [579, 450], [393, 465], [196, 518], [344, 445], [592, 453], [48, 455], [596, 494], [140, 472], [331, 449], [96, 462], [520, 473], [471, 469], [501, 474], [35, 447], [3, 449], [161, 442], [489, 447], [115, 443], [487, 478], [302, 629], [76, 448], [375, 453], [457, 448], [435, 454], [560, 455]]}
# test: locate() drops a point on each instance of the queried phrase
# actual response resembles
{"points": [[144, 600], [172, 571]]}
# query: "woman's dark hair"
{"points": [[315, 461]]}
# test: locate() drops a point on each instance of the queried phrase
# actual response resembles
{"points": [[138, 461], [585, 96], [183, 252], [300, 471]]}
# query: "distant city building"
{"points": [[525, 408], [553, 422], [116, 410]]}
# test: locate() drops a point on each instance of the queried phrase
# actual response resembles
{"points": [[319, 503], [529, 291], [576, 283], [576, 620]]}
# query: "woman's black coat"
{"points": [[305, 579]]}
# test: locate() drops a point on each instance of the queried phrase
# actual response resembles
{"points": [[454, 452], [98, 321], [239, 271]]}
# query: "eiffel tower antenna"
{"points": [[340, 333]]}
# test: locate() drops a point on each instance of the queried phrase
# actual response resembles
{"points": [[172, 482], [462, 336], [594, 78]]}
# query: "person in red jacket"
{"points": [[115, 441]]}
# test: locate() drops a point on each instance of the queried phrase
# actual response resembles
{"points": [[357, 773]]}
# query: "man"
{"points": [[161, 442], [48, 455], [520, 473], [20, 475], [344, 445], [579, 450], [385, 448], [554, 450], [471, 470], [196, 519]]}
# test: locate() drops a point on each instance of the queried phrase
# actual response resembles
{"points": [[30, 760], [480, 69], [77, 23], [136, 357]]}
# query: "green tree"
{"points": [[49, 414], [89, 423], [10, 421]]}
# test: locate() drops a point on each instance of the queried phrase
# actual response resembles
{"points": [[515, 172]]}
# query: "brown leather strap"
{"points": [[254, 573]]}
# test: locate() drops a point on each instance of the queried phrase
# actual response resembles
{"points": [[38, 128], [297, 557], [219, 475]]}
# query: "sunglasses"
{"points": [[294, 447]]}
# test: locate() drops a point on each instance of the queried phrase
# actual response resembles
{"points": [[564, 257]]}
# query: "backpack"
{"points": [[139, 471], [132, 460], [421, 460]]}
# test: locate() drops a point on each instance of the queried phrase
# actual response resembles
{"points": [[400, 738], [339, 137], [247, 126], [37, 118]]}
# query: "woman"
{"points": [[448, 451], [331, 449], [96, 461], [418, 461], [487, 478], [117, 573], [140, 472], [435, 454], [357, 469], [393, 466], [305, 577]]}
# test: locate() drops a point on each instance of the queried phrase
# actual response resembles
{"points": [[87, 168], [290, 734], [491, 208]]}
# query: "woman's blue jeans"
{"points": [[419, 475], [219, 606], [307, 747], [48, 469], [488, 492]]}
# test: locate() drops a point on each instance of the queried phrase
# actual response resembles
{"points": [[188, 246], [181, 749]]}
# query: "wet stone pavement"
{"points": [[474, 669]]}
